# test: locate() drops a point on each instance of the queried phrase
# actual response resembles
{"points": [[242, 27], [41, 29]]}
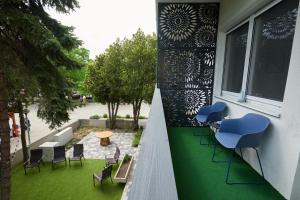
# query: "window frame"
{"points": [[268, 106], [230, 93]]}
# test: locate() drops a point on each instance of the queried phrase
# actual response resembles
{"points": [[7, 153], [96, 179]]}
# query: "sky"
{"points": [[99, 23]]}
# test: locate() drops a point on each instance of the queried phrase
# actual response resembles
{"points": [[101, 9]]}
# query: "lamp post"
{"points": [[27, 124]]}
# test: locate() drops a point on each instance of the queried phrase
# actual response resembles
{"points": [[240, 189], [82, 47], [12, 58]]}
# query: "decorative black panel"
{"points": [[186, 58]]}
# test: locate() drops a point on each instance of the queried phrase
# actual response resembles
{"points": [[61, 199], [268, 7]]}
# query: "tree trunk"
{"points": [[109, 115], [23, 133], [5, 140], [112, 112], [136, 107]]}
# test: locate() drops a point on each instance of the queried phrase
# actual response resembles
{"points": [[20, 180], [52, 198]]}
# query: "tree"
{"points": [[76, 77], [103, 79], [33, 45], [139, 70]]}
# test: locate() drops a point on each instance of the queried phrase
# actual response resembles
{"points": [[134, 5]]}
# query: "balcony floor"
{"points": [[199, 178]]}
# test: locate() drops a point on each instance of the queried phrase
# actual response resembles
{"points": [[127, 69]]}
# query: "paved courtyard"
{"points": [[93, 149], [40, 129]]}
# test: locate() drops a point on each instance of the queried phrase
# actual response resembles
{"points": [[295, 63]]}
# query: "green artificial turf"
{"points": [[63, 183], [198, 178]]}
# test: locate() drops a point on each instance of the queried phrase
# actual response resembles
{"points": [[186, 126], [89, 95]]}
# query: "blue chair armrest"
{"points": [[204, 110], [229, 125]]}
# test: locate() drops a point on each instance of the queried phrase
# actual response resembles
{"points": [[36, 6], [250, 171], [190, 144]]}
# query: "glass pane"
{"points": [[236, 43], [271, 51]]}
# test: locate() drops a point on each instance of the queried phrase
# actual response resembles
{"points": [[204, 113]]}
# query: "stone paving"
{"points": [[93, 149]]}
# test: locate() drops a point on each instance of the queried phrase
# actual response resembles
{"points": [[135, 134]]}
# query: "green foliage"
{"points": [[127, 158], [105, 115], [95, 117], [76, 103], [103, 79], [139, 67], [127, 116], [137, 138], [124, 73], [33, 48], [142, 117], [75, 77], [139, 70]]}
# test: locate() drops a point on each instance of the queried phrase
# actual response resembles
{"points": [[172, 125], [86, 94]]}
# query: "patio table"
{"points": [[104, 137], [48, 150]]}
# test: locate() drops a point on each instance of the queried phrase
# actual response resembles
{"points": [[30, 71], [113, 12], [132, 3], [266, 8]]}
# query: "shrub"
{"points": [[137, 138], [95, 117], [142, 117], [127, 116], [118, 116], [127, 158], [105, 115]]}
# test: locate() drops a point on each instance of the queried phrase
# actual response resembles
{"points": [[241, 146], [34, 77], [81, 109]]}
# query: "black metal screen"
{"points": [[187, 34]]}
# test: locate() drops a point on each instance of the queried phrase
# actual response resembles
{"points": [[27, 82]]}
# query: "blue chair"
{"points": [[240, 133], [208, 115]]}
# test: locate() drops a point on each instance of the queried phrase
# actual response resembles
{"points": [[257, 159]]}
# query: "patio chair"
{"points": [[104, 174], [77, 154], [59, 155], [115, 159], [241, 133], [36, 158], [208, 115]]}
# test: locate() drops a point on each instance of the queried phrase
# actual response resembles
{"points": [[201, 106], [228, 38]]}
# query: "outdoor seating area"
{"points": [[64, 182], [197, 177], [213, 166], [233, 134], [94, 160]]}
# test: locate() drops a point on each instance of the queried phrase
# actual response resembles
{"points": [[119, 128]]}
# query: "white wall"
{"points": [[280, 146]]}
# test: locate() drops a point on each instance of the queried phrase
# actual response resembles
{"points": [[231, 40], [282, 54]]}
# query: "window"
{"points": [[271, 51], [266, 59], [236, 43]]}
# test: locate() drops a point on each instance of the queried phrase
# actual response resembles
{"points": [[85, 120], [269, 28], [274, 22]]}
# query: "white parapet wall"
{"points": [[63, 136], [154, 176]]}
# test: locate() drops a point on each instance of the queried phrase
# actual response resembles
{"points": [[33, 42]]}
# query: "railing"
{"points": [[154, 176]]}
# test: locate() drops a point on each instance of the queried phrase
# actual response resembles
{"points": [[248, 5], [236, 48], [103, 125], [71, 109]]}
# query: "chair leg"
{"points": [[253, 182], [69, 163], [262, 172], [241, 152], [214, 153], [209, 137], [229, 165], [25, 170], [94, 180]]}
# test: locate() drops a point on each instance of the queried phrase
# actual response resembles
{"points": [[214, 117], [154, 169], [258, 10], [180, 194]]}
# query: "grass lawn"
{"points": [[63, 183], [199, 178]]}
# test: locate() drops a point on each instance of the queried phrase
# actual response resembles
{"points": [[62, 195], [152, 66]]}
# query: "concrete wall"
{"points": [[64, 136], [280, 147], [19, 155]]}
